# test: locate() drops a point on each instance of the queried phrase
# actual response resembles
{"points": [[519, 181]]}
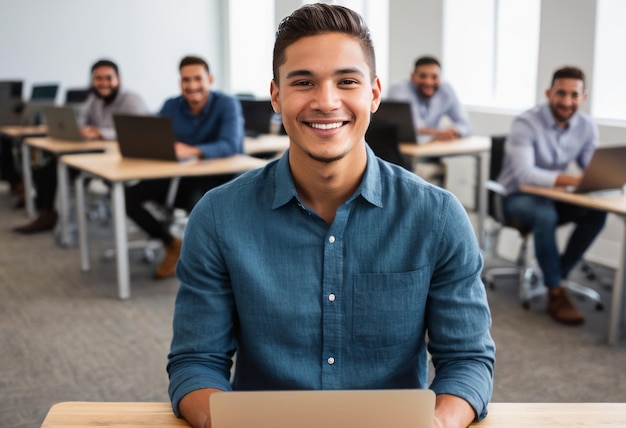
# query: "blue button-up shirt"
{"points": [[217, 131], [428, 112], [537, 150], [307, 305]]}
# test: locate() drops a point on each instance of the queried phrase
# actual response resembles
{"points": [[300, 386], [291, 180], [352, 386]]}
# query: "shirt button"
{"points": [[331, 297], [331, 360], [331, 239]]}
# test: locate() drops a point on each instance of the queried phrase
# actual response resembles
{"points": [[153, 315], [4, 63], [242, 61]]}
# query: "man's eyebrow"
{"points": [[341, 71]]}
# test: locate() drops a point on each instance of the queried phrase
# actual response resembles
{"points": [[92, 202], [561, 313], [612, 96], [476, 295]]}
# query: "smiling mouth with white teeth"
{"points": [[326, 126]]}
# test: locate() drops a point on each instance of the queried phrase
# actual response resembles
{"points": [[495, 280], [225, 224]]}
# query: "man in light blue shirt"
{"points": [[327, 268], [543, 142], [431, 100]]}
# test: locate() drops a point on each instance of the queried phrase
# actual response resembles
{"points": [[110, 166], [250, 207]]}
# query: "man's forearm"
{"points": [[453, 412]]}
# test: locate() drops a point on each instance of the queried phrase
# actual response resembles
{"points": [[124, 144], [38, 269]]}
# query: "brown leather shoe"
{"points": [[46, 220], [561, 309], [167, 268]]}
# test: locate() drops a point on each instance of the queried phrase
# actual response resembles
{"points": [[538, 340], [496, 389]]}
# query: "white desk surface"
{"points": [[460, 146], [265, 143], [501, 415]]}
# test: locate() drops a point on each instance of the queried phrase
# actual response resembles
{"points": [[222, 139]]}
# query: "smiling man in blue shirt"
{"points": [[327, 268], [207, 124]]}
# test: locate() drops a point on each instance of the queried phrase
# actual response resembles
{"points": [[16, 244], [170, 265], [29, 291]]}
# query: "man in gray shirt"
{"points": [[96, 122]]}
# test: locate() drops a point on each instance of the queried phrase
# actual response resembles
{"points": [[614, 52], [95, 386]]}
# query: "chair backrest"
{"points": [[494, 206], [382, 137]]}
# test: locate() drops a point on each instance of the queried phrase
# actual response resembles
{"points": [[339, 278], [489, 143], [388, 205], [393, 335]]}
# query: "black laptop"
{"points": [[399, 114], [146, 137], [605, 172]]}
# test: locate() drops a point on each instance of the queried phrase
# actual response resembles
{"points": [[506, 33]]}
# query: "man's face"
{"points": [[425, 78], [195, 82], [105, 81], [564, 97], [325, 95]]}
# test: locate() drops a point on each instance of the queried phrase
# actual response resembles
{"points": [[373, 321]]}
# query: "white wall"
{"points": [[59, 40]]}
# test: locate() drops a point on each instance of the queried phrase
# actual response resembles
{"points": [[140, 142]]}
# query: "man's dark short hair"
{"points": [[105, 63], [427, 60], [568, 72], [193, 60], [320, 18]]}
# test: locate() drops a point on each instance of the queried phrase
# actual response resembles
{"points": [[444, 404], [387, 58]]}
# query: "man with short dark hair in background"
{"points": [[207, 124]]}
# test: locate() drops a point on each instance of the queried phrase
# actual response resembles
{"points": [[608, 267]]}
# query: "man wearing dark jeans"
{"points": [[96, 121], [542, 143], [207, 124]]}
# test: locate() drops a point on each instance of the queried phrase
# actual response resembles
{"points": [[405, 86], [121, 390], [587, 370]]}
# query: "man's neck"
{"points": [[196, 108], [324, 187]]}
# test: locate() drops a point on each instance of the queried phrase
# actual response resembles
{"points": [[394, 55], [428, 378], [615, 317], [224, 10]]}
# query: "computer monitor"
{"points": [[11, 89], [46, 93], [76, 96]]}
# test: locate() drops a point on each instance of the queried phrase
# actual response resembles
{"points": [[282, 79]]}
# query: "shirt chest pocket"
{"points": [[388, 309]]}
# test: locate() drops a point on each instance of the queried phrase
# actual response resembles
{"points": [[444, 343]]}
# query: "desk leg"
{"points": [[121, 240], [62, 178], [617, 298], [81, 219], [27, 176]]}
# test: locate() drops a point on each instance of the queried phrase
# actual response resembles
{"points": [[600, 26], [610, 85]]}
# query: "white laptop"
{"points": [[395, 408]]}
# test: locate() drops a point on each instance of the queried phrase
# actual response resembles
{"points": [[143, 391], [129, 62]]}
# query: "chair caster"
{"points": [[599, 306]]}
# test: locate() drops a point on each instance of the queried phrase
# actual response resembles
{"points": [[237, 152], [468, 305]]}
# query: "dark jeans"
{"points": [[9, 169], [544, 216], [190, 190]]}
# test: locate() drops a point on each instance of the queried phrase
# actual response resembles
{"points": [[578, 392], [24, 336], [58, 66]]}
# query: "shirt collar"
{"points": [[370, 188], [204, 110]]}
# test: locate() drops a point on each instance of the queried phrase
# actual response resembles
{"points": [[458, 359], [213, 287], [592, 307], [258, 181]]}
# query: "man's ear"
{"points": [[274, 91], [376, 95]]}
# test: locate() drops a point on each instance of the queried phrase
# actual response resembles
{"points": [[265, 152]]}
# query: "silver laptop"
{"points": [[399, 114], [146, 137], [606, 172], [397, 408], [62, 123]]}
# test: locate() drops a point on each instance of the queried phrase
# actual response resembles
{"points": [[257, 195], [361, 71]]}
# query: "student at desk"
{"points": [[207, 124], [432, 101], [326, 268], [96, 121], [543, 142]]}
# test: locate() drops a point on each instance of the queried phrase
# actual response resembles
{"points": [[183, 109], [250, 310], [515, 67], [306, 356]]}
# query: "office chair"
{"points": [[530, 281], [382, 137]]}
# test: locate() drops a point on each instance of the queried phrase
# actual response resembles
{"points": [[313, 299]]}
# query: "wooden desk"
{"points": [[117, 170], [265, 143], [501, 415], [615, 204], [475, 146], [57, 148], [16, 131]]}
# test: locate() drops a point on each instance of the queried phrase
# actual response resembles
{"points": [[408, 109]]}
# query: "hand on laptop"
{"points": [[90, 133], [185, 151], [565, 180]]}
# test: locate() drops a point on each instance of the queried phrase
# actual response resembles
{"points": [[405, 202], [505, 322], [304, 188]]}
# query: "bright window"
{"points": [[609, 92], [490, 51]]}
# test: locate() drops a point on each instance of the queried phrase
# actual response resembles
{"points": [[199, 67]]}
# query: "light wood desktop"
{"points": [[266, 143], [57, 148], [117, 170], [475, 146], [17, 131], [501, 415], [615, 204]]}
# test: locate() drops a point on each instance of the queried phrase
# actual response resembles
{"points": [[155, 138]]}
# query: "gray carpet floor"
{"points": [[64, 335]]}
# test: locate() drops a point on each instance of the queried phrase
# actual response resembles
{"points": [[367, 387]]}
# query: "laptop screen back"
{"points": [[606, 170], [399, 114], [61, 122], [147, 137], [401, 408]]}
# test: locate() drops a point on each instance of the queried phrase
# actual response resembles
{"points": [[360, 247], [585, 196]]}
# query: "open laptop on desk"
{"points": [[399, 408], [399, 114], [146, 137], [606, 172], [62, 123]]}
